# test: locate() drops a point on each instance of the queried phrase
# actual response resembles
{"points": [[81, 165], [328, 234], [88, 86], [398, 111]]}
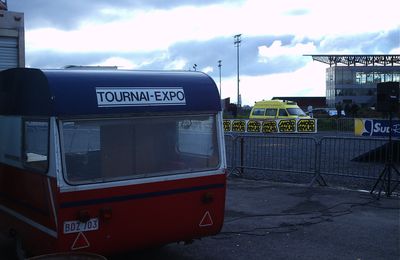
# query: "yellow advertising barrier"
{"points": [[253, 126], [287, 126], [238, 126], [227, 125], [271, 126], [307, 125]]}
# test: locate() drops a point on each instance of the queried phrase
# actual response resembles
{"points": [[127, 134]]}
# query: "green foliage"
{"points": [[327, 124]]}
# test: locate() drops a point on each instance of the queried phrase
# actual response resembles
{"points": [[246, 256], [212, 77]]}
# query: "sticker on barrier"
{"points": [[253, 126], [227, 125], [297, 125], [269, 126], [239, 126], [306, 125], [286, 126]]}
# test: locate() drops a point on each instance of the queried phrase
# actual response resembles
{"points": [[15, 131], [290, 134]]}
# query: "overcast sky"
{"points": [[176, 34]]}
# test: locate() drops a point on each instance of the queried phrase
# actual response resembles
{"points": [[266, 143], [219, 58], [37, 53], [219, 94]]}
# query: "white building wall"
{"points": [[12, 40]]}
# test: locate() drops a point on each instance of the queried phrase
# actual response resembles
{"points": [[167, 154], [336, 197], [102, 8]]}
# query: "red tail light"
{"points": [[106, 213]]}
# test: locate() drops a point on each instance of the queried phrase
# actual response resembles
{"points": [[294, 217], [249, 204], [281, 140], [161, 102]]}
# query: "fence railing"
{"points": [[336, 124], [327, 124], [230, 151], [357, 157]]}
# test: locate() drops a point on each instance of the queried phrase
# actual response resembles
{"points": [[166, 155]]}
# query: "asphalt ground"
{"points": [[268, 220]]}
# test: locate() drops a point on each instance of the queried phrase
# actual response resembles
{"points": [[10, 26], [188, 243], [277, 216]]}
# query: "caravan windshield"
{"points": [[101, 150]]}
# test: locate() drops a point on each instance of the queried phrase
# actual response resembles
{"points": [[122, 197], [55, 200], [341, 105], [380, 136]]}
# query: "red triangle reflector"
{"points": [[80, 242], [206, 220]]}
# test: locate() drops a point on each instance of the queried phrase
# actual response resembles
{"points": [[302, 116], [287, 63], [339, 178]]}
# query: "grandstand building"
{"points": [[353, 78]]}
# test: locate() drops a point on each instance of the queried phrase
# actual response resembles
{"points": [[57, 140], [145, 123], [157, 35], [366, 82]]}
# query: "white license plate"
{"points": [[77, 226]]}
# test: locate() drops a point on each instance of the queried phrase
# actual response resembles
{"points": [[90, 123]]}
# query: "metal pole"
{"points": [[238, 79], [390, 155], [220, 88], [237, 44], [241, 155]]}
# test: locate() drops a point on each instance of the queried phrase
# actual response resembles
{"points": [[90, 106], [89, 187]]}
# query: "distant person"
{"points": [[339, 108], [354, 109], [347, 110], [233, 109], [310, 112]]}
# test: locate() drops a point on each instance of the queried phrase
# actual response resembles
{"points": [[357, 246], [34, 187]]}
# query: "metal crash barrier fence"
{"points": [[357, 157], [298, 125], [339, 125], [230, 151]]}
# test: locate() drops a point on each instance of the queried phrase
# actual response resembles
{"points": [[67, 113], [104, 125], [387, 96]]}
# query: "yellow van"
{"points": [[276, 109]]}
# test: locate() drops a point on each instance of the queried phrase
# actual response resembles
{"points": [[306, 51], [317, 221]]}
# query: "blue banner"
{"points": [[374, 127]]}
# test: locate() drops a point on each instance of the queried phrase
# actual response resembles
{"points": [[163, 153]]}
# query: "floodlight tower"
{"points": [[220, 89], [237, 41]]}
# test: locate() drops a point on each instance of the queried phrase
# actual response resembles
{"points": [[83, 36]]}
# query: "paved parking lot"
{"points": [[284, 221], [266, 220]]}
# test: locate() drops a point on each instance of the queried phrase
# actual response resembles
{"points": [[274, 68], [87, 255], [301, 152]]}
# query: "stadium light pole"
{"points": [[237, 41], [220, 88]]}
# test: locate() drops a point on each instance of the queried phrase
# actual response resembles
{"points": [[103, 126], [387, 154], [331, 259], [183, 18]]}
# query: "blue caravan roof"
{"points": [[37, 92]]}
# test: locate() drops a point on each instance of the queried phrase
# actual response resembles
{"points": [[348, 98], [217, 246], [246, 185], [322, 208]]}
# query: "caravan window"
{"points": [[10, 140], [36, 144], [102, 150]]}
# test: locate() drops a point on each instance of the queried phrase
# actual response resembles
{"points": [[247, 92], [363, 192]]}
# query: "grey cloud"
{"points": [[207, 53], [57, 60], [67, 14], [369, 43], [204, 54], [298, 12]]}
